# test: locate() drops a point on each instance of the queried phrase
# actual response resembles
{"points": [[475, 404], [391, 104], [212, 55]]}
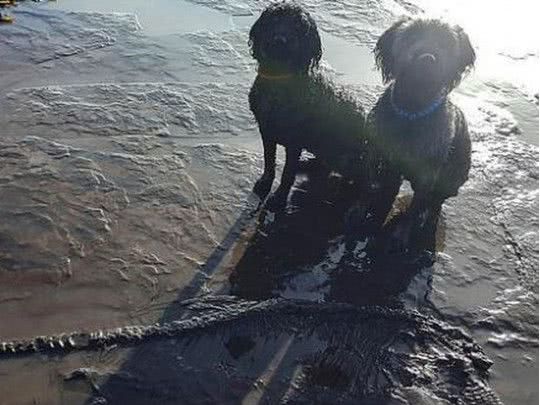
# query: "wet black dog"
{"points": [[417, 133], [295, 105]]}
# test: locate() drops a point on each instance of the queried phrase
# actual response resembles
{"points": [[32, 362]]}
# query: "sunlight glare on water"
{"points": [[505, 34]]}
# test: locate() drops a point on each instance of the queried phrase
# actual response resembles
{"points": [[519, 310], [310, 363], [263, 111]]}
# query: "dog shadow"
{"points": [[301, 252], [298, 253]]}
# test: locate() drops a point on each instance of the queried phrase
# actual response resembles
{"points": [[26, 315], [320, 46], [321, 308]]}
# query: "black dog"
{"points": [[295, 105], [415, 131]]}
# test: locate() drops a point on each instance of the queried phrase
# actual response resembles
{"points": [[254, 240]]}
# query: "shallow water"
{"points": [[126, 184]]}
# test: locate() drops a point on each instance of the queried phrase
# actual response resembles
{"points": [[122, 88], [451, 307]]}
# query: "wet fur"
{"points": [[298, 107], [433, 152]]}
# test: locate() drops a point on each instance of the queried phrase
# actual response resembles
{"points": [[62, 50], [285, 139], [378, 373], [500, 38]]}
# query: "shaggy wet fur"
{"points": [[295, 105], [416, 132]]}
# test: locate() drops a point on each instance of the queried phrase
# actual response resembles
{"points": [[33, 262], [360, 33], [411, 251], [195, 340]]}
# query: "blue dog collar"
{"points": [[411, 116]]}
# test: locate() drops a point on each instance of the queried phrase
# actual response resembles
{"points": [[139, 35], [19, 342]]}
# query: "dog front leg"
{"points": [[425, 209], [264, 184], [278, 200], [421, 218]]}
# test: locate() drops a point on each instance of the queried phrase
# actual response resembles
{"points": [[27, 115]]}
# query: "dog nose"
{"points": [[427, 59], [280, 40]]}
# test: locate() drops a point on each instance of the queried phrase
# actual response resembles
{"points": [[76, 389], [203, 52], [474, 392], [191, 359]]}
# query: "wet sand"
{"points": [[127, 159]]}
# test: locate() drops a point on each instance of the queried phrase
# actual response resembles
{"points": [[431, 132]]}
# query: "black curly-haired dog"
{"points": [[416, 132], [295, 105]]}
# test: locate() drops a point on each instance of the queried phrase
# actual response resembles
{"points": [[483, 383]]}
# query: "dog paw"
{"points": [[262, 187], [309, 165], [276, 202]]}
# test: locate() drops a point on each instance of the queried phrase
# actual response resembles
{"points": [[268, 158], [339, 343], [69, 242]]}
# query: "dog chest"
{"points": [[284, 113], [417, 149]]}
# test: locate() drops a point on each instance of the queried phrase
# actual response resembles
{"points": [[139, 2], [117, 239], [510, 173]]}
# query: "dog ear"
{"points": [[383, 50], [467, 56], [255, 34], [312, 51], [465, 59]]}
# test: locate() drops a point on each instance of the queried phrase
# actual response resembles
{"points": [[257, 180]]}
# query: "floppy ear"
{"points": [[465, 58], [312, 49], [383, 50], [256, 33]]}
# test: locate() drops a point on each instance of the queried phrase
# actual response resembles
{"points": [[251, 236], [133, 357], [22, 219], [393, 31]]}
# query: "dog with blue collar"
{"points": [[416, 133]]}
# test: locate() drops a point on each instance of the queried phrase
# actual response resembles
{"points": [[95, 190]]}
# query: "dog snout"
{"points": [[427, 59], [279, 39]]}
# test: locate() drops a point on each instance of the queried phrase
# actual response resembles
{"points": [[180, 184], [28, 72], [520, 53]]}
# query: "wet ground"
{"points": [[128, 154]]}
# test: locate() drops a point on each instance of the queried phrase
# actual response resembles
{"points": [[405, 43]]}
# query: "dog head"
{"points": [[285, 39], [424, 55]]}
